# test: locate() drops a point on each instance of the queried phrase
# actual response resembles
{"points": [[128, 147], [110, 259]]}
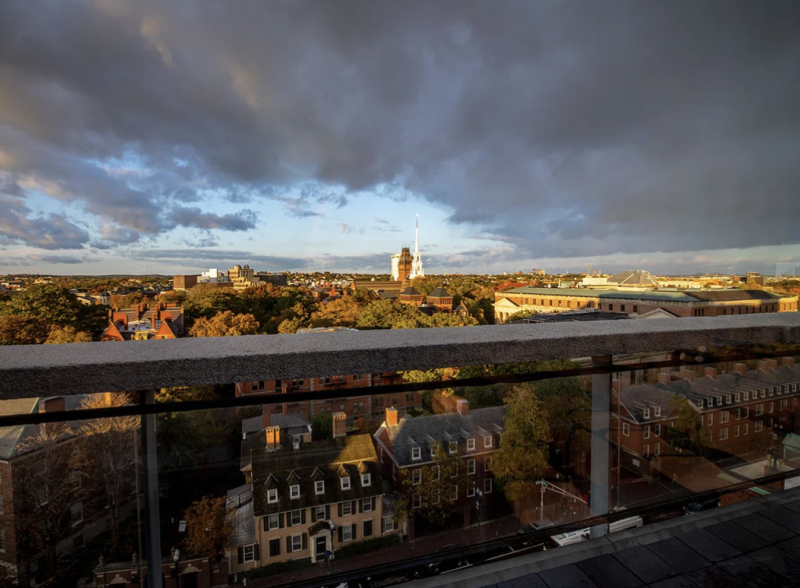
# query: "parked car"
{"points": [[700, 506], [537, 526]]}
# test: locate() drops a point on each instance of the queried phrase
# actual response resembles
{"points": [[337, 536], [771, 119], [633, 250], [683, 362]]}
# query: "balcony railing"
{"points": [[80, 369]]}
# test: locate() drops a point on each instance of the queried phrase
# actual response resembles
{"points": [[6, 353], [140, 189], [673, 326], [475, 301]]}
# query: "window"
{"points": [[635, 308], [347, 509], [746, 412], [416, 453], [738, 413], [388, 524], [647, 431], [723, 416], [658, 449], [435, 473], [783, 404], [319, 513], [771, 407], [471, 466], [366, 505], [771, 391], [487, 441], [658, 430], [272, 522], [622, 307], [297, 543], [610, 307], [710, 419], [470, 444], [358, 377], [319, 487], [453, 447], [738, 397], [657, 411], [744, 430], [759, 409], [647, 450], [746, 395], [723, 434], [470, 492], [248, 553], [258, 386], [736, 431], [488, 465], [272, 495], [368, 528], [366, 479], [646, 413], [346, 483], [759, 426], [487, 486], [274, 547], [454, 492], [763, 393], [719, 400], [410, 397], [294, 491], [296, 518], [416, 501], [76, 513], [416, 477], [626, 429]]}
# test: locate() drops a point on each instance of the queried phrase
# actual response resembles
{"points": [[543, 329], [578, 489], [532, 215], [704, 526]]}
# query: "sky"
{"points": [[172, 137]]}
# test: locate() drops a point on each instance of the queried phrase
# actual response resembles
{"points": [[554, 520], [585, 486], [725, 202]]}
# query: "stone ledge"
{"points": [[77, 368]]}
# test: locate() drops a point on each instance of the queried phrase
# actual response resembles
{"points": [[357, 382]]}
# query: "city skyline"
{"points": [[300, 137]]}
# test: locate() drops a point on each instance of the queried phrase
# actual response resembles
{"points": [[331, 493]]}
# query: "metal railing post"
{"points": [[601, 447], [152, 519]]}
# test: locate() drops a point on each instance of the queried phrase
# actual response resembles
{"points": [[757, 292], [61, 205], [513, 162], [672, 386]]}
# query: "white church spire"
{"points": [[416, 267]]}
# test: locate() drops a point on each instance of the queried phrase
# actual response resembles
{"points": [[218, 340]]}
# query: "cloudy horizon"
{"points": [[170, 137]]}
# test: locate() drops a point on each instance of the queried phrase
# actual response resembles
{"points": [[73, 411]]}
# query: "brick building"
{"points": [[184, 282], [143, 322], [678, 303], [306, 497], [441, 300], [401, 265], [742, 410], [180, 572], [369, 406], [410, 296], [406, 445]]}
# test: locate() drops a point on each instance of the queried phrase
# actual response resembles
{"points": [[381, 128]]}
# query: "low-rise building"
{"points": [[143, 322]]}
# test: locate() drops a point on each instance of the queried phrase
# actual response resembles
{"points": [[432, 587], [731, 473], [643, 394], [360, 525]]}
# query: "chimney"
{"points": [[153, 321], [711, 372], [266, 416], [462, 406], [740, 368], [339, 424], [55, 404], [664, 378], [788, 361], [688, 374], [273, 438], [391, 416], [120, 316], [772, 363], [761, 365]]}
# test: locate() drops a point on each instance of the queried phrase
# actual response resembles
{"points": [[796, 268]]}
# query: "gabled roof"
{"points": [[410, 291], [439, 293]]}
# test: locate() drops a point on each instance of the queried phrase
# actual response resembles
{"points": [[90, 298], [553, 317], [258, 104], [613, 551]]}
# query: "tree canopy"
{"points": [[225, 324]]}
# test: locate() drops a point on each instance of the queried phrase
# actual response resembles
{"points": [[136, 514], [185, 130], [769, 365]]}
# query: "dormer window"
{"points": [[294, 491], [763, 393], [453, 447], [487, 441], [433, 451], [657, 411], [319, 487], [346, 483], [366, 479], [737, 397], [416, 453], [272, 496], [470, 444], [719, 400], [746, 395], [770, 391], [646, 413]]}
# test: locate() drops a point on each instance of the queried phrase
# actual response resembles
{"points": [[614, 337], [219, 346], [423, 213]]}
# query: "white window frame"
{"points": [[487, 465], [471, 469], [657, 411], [416, 501], [710, 419], [347, 509], [299, 546], [248, 553], [759, 427], [453, 447], [646, 413], [746, 429], [724, 416], [470, 492], [764, 393], [488, 441], [723, 434], [626, 429], [317, 512], [346, 483], [436, 473], [736, 431], [294, 491], [727, 399], [487, 486], [272, 496], [433, 451], [771, 391], [454, 492], [471, 444], [416, 453], [388, 524], [658, 430], [319, 487], [647, 431], [759, 409], [366, 505], [416, 477], [273, 518], [347, 533], [366, 479], [658, 449], [771, 407], [299, 518], [647, 450], [746, 395], [784, 403], [738, 397]]}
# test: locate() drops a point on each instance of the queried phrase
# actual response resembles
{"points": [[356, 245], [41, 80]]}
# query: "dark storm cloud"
{"points": [[566, 129], [52, 231]]}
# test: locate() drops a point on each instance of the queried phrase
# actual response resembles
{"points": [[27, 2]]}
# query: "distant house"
{"points": [[307, 498], [143, 322]]}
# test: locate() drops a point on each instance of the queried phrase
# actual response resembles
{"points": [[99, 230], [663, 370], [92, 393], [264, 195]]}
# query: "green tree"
{"points": [[430, 496], [225, 324], [22, 330], [209, 525], [688, 433], [322, 426], [521, 459], [206, 301]]}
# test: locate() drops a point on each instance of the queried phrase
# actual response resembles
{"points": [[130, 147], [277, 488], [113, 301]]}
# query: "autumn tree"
{"points": [[521, 459], [66, 335], [430, 495], [209, 525], [225, 324], [22, 330], [109, 458], [55, 306]]}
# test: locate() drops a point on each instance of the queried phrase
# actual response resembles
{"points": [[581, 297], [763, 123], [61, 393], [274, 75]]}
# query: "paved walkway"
{"points": [[419, 548]]}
